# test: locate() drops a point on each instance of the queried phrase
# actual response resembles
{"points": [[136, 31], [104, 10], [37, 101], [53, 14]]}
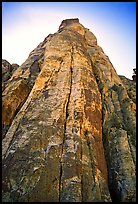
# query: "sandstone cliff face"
{"points": [[71, 135]]}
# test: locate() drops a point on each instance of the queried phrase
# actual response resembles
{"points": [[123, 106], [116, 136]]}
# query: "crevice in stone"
{"points": [[111, 180], [82, 168], [131, 148], [126, 128], [113, 183], [106, 146], [113, 170], [99, 83], [119, 90], [65, 124], [89, 144], [108, 159]]}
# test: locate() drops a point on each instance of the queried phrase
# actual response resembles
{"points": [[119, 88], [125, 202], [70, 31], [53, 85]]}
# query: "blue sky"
{"points": [[26, 24]]}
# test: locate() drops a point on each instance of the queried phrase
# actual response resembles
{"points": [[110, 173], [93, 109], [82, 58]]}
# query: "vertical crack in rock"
{"points": [[92, 163], [128, 119], [131, 146], [115, 138], [116, 121], [65, 123], [126, 114], [81, 152], [90, 146]]}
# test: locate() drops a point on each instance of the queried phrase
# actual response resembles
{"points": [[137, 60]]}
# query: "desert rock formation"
{"points": [[71, 124]]}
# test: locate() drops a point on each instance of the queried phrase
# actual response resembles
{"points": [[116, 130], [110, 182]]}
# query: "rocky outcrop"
{"points": [[7, 71], [130, 86], [72, 138], [20, 83], [67, 22]]}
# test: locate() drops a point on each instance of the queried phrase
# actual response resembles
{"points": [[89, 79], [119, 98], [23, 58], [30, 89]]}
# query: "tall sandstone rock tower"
{"points": [[69, 124]]}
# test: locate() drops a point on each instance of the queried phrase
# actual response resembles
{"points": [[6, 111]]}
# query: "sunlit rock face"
{"points": [[71, 124]]}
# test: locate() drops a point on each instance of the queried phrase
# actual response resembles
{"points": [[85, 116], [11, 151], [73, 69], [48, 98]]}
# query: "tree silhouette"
{"points": [[134, 74]]}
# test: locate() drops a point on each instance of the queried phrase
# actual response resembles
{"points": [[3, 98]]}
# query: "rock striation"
{"points": [[71, 133]]}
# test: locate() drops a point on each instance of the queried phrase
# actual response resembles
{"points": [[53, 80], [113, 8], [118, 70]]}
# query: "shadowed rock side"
{"points": [[130, 87], [7, 71], [119, 127], [53, 150]]}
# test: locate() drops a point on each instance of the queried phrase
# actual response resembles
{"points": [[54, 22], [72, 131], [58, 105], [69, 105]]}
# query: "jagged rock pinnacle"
{"points": [[70, 124], [67, 22]]}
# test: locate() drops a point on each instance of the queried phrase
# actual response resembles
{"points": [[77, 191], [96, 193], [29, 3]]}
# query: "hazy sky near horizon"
{"points": [[26, 24]]}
